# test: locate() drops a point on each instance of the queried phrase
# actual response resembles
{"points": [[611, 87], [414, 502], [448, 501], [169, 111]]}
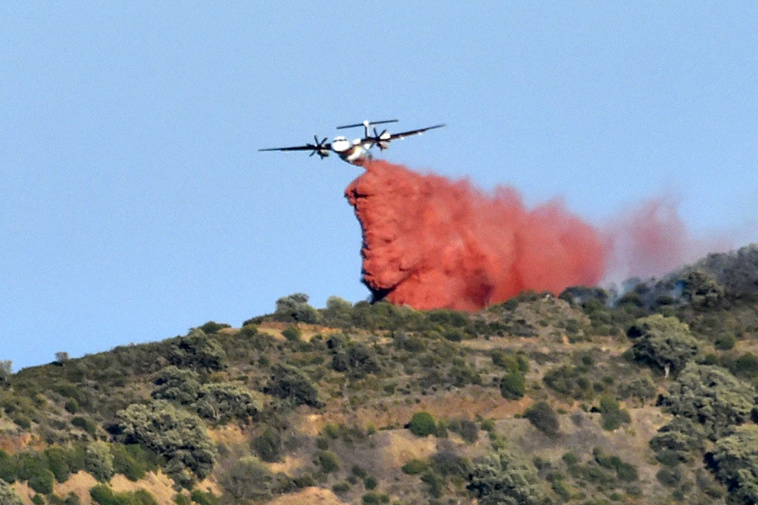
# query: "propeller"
{"points": [[319, 147], [380, 139]]}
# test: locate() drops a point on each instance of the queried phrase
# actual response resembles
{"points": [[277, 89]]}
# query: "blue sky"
{"points": [[134, 203]]}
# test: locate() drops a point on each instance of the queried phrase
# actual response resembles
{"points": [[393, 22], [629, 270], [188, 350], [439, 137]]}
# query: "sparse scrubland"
{"points": [[589, 397]]}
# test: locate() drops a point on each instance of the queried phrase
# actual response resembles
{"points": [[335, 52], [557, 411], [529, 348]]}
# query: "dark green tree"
{"points": [[711, 397], [338, 312], [175, 434], [734, 460], [224, 401], [291, 383], [702, 290], [295, 309], [505, 479], [662, 342], [678, 440], [197, 350], [174, 383]]}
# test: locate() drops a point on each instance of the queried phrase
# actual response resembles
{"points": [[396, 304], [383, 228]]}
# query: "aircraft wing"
{"points": [[295, 148], [320, 147], [402, 135]]}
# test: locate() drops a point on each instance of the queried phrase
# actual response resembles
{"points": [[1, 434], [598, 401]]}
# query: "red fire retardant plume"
{"points": [[429, 242]]}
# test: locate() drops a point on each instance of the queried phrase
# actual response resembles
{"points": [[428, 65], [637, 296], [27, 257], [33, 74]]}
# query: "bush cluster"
{"points": [[543, 417], [711, 397], [505, 479], [175, 434], [422, 424]]}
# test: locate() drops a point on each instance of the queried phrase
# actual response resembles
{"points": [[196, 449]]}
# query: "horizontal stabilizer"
{"points": [[367, 123]]}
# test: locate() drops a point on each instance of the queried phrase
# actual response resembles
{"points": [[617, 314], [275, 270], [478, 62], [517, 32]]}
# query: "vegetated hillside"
{"points": [[585, 398]]}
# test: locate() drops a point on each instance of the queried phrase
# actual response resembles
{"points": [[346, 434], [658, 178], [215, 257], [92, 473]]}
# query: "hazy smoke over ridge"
{"points": [[430, 242]]}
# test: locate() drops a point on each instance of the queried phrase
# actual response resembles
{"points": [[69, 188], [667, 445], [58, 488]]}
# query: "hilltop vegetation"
{"points": [[591, 397]]}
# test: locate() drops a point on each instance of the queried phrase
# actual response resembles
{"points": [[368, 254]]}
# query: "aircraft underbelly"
{"points": [[357, 155]]}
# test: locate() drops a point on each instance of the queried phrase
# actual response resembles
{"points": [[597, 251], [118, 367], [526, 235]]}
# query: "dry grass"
{"points": [[311, 496]]}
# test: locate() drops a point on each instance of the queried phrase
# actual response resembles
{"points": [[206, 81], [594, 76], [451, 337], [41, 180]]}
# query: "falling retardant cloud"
{"points": [[429, 242]]}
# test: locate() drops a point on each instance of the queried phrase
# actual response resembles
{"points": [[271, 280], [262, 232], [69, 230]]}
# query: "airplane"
{"points": [[355, 152]]}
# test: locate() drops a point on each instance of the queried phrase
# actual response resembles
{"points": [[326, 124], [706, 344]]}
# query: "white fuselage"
{"points": [[353, 152]]}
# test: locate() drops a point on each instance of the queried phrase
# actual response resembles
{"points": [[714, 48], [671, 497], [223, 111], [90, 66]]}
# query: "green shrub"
{"points": [[725, 342], [292, 333], [435, 484], [469, 431], [21, 421], [612, 415], [43, 481], [132, 461], [213, 327], [248, 479], [505, 479], [85, 423], [328, 461], [204, 497], [570, 381], [643, 388], [370, 482], [415, 467], [341, 487], [746, 365], [103, 495], [543, 417], [221, 402], [677, 440], [422, 424], [57, 461], [291, 383], [7, 495], [98, 461], [142, 497], [625, 472], [371, 498], [7, 467], [71, 406], [513, 386], [446, 462], [268, 445], [30, 464], [338, 312], [669, 477], [511, 362]]}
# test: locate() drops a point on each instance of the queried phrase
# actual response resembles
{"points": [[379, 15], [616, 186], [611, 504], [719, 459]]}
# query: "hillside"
{"points": [[590, 397]]}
